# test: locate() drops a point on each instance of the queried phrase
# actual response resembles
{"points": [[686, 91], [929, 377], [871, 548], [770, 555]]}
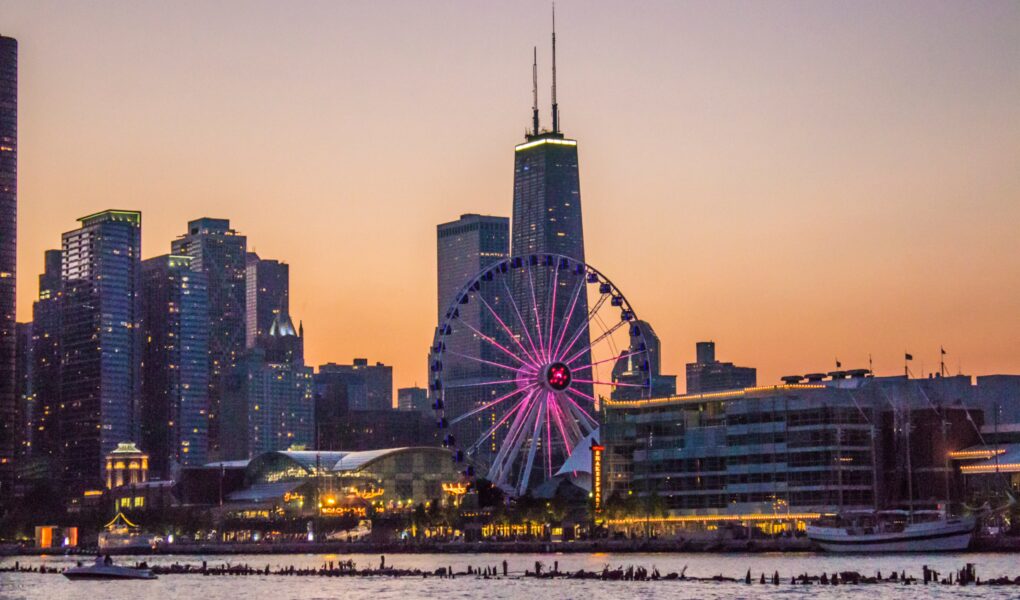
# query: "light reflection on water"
{"points": [[32, 586]]}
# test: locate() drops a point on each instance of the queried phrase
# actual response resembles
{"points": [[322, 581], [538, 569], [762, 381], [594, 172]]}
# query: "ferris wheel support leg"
{"points": [[525, 475]]}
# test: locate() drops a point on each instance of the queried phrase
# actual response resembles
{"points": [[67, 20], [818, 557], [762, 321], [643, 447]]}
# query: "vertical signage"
{"points": [[596, 476]]}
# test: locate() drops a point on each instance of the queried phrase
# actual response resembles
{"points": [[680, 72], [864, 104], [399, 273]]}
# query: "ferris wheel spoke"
{"points": [[570, 314], [583, 327], [495, 343], [511, 441], [520, 319], [605, 335], [490, 404], [568, 439], [571, 421], [583, 415], [538, 319], [605, 360], [507, 330], [557, 413], [552, 312], [547, 447], [581, 394], [480, 384], [512, 446], [633, 385], [478, 443], [526, 367]]}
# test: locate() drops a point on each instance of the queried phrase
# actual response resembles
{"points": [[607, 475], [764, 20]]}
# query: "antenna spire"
{"points": [[534, 93], [555, 106]]}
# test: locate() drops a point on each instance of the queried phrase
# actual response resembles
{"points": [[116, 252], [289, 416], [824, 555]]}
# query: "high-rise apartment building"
{"points": [[46, 330], [8, 259], [175, 388], [710, 375], [101, 343], [220, 253], [268, 293]]}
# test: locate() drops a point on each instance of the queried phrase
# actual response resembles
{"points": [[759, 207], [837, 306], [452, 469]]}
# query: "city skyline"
{"points": [[735, 169]]}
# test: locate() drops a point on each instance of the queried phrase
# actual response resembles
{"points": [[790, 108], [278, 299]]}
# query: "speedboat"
{"points": [[104, 571], [894, 531]]}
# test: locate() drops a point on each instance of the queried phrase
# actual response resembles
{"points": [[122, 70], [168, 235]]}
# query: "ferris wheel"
{"points": [[521, 360]]}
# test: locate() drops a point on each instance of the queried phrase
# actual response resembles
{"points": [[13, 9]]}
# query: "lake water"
{"points": [[35, 586]]}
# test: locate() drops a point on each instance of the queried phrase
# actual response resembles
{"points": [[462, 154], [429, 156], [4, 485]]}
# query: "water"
{"points": [[32, 586]]}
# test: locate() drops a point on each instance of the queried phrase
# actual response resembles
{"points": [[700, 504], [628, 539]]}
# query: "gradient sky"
{"points": [[797, 181]]}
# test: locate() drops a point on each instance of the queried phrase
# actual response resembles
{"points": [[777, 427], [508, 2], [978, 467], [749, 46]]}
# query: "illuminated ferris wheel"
{"points": [[520, 361]]}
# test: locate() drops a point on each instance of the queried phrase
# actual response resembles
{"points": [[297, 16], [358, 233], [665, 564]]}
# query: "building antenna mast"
{"points": [[534, 92], [555, 106]]}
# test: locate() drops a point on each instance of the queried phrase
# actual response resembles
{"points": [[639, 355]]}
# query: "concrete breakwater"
{"points": [[965, 576]]}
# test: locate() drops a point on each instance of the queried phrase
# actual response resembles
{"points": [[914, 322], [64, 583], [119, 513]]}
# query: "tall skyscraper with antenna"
{"points": [[547, 190], [547, 216]]}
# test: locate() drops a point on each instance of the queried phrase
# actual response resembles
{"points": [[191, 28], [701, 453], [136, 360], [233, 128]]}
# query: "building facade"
{"points": [[47, 318], [710, 375], [8, 260], [268, 295], [365, 386], [270, 404], [801, 448], [413, 399], [100, 343], [627, 369], [175, 389], [221, 253]]}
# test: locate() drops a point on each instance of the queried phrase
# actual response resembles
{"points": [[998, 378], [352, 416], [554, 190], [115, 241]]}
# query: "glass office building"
{"points": [[101, 342], [175, 390]]}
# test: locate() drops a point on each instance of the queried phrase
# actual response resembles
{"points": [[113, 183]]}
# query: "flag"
{"points": [[838, 364], [943, 350], [908, 357]]}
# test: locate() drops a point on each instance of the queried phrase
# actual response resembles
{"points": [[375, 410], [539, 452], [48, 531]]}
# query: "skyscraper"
{"points": [[547, 220], [175, 388], [463, 248], [628, 369], [220, 253], [8, 258], [271, 404], [268, 295], [100, 343], [46, 329]]}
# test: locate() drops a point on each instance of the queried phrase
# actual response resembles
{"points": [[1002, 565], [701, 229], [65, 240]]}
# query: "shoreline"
{"points": [[795, 545]]}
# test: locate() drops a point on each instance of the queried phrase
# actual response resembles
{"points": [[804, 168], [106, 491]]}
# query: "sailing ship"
{"points": [[894, 531]]}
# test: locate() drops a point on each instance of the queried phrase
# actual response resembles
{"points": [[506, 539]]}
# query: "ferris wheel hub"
{"points": [[555, 377]]}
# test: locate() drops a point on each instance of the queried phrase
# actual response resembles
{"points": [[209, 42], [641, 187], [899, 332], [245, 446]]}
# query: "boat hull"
{"points": [[108, 573], [927, 537]]}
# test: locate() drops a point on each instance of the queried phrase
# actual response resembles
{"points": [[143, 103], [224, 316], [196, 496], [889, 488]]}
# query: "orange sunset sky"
{"points": [[797, 181]]}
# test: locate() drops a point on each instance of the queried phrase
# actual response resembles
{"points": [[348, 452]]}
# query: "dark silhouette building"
{"points": [[628, 368], [44, 439], [365, 386], [710, 375], [220, 253], [8, 259], [268, 295], [101, 343], [413, 399], [175, 389]]}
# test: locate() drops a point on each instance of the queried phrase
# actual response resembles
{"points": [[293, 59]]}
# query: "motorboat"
{"points": [[893, 531], [107, 570]]}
